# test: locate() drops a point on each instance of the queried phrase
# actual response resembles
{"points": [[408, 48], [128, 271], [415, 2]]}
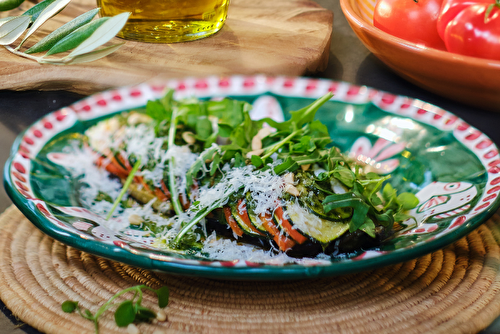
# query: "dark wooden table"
{"points": [[349, 61]]}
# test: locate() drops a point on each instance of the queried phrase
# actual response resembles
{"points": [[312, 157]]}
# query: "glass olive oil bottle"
{"points": [[168, 21]]}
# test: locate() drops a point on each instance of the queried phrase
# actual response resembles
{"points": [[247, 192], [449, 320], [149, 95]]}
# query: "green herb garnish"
{"points": [[126, 185], [128, 311], [228, 142]]}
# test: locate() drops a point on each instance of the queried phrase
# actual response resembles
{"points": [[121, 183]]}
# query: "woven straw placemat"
{"points": [[454, 290]]}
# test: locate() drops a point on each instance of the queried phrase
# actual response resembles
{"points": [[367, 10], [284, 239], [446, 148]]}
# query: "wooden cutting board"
{"points": [[273, 37]]}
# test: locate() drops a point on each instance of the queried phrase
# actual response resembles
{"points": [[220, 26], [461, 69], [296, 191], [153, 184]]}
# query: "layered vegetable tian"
{"points": [[203, 178]]}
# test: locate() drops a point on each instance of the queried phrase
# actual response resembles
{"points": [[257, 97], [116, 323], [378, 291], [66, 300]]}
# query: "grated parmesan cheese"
{"points": [[265, 187], [183, 159], [221, 249]]}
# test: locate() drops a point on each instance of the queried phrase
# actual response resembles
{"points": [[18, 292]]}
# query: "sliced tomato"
{"points": [[160, 195], [231, 222], [184, 201], [111, 167], [284, 243], [268, 223], [165, 189], [285, 223]]}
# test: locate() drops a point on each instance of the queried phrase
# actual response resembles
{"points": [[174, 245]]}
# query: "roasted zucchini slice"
{"points": [[254, 219], [322, 230], [241, 216], [315, 205]]}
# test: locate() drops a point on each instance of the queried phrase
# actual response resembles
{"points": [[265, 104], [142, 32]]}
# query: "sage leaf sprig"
{"points": [[13, 28], [83, 35], [46, 14], [128, 311], [60, 33], [37, 9]]}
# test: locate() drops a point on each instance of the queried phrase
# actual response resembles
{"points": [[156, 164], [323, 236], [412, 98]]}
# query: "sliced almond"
{"points": [[137, 118], [256, 143], [292, 190], [289, 178], [305, 167], [188, 137], [264, 132], [135, 219]]}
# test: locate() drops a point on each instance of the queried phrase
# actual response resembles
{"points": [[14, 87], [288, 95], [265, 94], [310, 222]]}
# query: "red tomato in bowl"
{"points": [[450, 9], [471, 33], [414, 21]]}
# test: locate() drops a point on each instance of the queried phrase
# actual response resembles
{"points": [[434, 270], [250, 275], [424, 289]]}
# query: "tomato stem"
{"points": [[489, 9]]}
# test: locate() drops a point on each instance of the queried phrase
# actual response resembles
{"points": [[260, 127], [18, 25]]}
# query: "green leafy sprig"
{"points": [[126, 185], [301, 124], [363, 197], [171, 165], [297, 142], [82, 35], [300, 140], [128, 311]]}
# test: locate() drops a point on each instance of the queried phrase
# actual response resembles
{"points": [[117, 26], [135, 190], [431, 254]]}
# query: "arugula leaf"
{"points": [[230, 112], [311, 158], [400, 217], [407, 201], [239, 161], [289, 165], [157, 111], [238, 137], [225, 130], [203, 128], [306, 145], [368, 227], [198, 165], [257, 161], [388, 192], [214, 165], [300, 117], [386, 219], [360, 208], [344, 175], [375, 200], [319, 134]]}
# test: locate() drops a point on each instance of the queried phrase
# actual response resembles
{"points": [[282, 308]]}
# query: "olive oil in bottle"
{"points": [[167, 21]]}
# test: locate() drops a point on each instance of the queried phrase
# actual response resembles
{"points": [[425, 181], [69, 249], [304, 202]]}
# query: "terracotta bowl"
{"points": [[473, 81]]}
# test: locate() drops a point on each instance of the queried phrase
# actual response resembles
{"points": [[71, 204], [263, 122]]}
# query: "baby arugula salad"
{"points": [[202, 177]]}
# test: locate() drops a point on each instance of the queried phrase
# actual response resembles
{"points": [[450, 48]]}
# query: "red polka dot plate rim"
{"points": [[453, 168]]}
